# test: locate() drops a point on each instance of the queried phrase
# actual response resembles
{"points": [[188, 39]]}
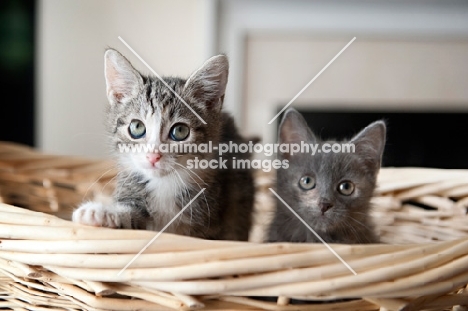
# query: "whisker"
{"points": [[191, 172], [123, 184], [108, 182], [355, 220], [90, 186], [186, 190], [113, 178], [204, 196], [354, 229], [183, 185], [175, 193]]}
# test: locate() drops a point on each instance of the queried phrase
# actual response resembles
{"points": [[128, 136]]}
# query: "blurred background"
{"points": [[408, 66]]}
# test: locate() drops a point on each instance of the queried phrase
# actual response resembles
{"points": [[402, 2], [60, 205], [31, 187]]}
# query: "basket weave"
{"points": [[51, 183], [48, 263]]}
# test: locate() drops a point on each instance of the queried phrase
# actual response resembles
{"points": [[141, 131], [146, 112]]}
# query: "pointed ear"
{"points": [[207, 85], [122, 80], [294, 129], [370, 143]]}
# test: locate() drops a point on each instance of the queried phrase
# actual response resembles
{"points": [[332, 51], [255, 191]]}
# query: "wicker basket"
{"points": [[48, 263], [50, 183]]}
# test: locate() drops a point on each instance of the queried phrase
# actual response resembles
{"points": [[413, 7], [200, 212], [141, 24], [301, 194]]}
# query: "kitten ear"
{"points": [[294, 129], [207, 85], [122, 80], [370, 144]]}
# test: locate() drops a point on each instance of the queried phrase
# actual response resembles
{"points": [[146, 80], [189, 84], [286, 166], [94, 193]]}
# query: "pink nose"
{"points": [[153, 158]]}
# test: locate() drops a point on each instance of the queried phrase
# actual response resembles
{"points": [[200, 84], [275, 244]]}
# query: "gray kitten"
{"points": [[152, 187], [331, 192]]}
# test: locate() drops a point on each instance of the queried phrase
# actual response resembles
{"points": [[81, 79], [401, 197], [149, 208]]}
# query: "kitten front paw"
{"points": [[98, 215]]}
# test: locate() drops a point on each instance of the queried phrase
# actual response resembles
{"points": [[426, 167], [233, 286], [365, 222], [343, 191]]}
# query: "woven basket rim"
{"points": [[38, 248]]}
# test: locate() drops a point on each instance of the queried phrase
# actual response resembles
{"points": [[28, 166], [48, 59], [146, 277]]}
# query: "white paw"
{"points": [[98, 215]]}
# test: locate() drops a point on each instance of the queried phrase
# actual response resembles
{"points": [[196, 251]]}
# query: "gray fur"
{"points": [[223, 211], [348, 221]]}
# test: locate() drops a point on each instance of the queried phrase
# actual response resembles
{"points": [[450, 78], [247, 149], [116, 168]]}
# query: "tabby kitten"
{"points": [[331, 192], [152, 187]]}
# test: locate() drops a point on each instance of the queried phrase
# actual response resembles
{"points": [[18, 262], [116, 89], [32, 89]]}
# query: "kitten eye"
{"points": [[346, 188], [179, 132], [136, 129], [307, 182]]}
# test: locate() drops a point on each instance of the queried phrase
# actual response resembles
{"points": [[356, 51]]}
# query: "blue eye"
{"points": [[179, 132], [136, 129], [307, 182]]}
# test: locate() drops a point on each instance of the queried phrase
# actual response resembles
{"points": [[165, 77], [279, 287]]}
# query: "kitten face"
{"points": [[146, 112], [326, 193], [153, 121], [330, 190]]}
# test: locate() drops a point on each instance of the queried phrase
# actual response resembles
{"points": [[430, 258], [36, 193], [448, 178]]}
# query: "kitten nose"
{"points": [[325, 206], [153, 158]]}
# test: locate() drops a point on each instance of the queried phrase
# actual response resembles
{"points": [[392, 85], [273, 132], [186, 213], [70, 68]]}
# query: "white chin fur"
{"points": [[163, 192], [155, 172]]}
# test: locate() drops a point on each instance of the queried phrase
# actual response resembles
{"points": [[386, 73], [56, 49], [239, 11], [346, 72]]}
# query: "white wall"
{"points": [[330, 19], [374, 74], [174, 37]]}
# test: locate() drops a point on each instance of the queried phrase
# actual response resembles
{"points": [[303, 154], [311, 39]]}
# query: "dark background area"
{"points": [[423, 139], [17, 44]]}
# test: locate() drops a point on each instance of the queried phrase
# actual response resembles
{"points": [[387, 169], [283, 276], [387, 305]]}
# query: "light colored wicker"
{"points": [[47, 263], [51, 183], [402, 192]]}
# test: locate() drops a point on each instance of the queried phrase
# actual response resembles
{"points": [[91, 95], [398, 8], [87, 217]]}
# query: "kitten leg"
{"points": [[99, 215]]}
